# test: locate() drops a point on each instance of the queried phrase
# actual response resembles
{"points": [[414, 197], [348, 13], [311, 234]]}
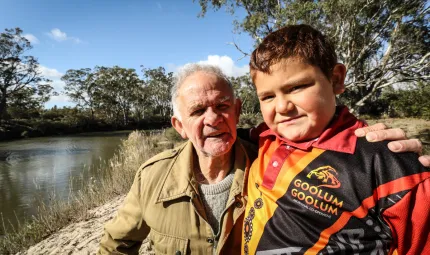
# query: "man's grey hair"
{"points": [[188, 70]]}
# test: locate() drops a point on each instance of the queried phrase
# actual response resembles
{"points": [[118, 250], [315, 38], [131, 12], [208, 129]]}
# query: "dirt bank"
{"points": [[81, 237]]}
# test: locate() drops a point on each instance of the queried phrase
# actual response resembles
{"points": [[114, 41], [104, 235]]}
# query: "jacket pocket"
{"points": [[168, 244]]}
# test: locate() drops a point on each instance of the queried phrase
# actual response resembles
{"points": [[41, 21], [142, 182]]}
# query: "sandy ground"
{"points": [[81, 237]]}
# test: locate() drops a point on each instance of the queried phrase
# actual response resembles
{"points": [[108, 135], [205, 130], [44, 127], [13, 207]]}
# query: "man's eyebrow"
{"points": [[223, 99]]}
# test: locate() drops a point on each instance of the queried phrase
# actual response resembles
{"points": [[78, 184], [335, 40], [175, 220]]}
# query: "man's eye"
{"points": [[222, 106], [198, 112]]}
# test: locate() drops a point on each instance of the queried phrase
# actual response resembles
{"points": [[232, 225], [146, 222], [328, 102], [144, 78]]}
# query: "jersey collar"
{"points": [[339, 136]]}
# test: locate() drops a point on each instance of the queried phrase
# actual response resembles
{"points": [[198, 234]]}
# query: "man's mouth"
{"points": [[215, 135]]}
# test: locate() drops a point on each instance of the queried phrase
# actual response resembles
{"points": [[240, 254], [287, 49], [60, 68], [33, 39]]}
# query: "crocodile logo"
{"points": [[327, 175]]}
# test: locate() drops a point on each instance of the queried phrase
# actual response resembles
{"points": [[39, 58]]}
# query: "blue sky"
{"points": [[77, 34]]}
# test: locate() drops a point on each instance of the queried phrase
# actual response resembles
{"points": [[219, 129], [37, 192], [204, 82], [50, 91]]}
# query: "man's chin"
{"points": [[218, 148]]}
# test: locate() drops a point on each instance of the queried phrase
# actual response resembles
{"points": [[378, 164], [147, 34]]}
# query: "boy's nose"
{"points": [[283, 105], [212, 118]]}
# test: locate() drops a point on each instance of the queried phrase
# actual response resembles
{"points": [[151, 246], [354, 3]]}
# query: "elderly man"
{"points": [[191, 199]]}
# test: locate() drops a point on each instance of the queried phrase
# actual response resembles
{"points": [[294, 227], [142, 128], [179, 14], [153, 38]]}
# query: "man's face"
{"points": [[209, 114], [297, 100]]}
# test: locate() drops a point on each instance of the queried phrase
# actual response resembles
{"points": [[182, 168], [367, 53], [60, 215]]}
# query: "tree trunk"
{"points": [[3, 106]]}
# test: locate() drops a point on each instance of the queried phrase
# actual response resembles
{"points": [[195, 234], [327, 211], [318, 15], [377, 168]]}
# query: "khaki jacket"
{"points": [[164, 203]]}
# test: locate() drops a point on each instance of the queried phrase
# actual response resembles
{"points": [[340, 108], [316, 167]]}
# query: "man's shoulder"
{"points": [[163, 157], [251, 149]]}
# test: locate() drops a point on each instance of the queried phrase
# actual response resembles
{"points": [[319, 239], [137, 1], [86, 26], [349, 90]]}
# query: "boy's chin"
{"points": [[295, 136]]}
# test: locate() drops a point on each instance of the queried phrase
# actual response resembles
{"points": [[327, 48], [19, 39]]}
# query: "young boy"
{"points": [[315, 187]]}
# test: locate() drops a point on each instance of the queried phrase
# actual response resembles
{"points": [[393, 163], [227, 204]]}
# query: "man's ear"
{"points": [[177, 124], [238, 109], [338, 79]]}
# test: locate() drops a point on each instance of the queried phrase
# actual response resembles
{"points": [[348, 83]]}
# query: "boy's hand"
{"points": [[380, 132]]}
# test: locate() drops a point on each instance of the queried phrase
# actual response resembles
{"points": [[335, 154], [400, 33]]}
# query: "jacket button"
{"points": [[210, 240], [178, 253], [238, 204]]}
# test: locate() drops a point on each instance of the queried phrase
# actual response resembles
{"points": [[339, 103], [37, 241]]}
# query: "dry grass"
{"points": [[415, 128], [116, 179]]}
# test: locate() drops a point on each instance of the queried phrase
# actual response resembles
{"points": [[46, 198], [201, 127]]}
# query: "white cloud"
{"points": [[226, 64], [33, 39], [55, 76], [61, 36]]}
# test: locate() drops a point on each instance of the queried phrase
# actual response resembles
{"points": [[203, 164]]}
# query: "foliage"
{"points": [[115, 92], [245, 91], [80, 87], [411, 102], [159, 83], [21, 83], [382, 43]]}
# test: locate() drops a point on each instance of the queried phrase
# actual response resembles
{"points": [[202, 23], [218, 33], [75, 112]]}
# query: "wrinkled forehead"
{"points": [[202, 83]]}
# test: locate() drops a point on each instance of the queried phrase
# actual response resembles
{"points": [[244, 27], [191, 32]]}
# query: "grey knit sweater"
{"points": [[214, 197]]}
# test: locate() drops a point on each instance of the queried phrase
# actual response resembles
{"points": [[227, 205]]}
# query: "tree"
{"points": [[244, 89], [381, 42], [19, 74], [159, 85], [81, 87], [115, 92]]}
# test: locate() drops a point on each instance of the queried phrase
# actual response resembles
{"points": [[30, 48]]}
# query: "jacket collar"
{"points": [[179, 180], [339, 136]]}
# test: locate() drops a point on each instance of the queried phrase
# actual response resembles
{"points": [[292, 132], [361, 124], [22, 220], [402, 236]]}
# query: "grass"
{"points": [[414, 128], [116, 178]]}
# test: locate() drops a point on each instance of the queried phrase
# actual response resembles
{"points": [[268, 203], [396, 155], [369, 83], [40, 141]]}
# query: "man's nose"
{"points": [[283, 104], [212, 118]]}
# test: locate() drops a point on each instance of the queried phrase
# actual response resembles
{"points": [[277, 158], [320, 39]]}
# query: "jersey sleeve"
{"points": [[405, 189]]}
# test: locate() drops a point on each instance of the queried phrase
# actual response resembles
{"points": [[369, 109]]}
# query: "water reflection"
{"points": [[45, 166]]}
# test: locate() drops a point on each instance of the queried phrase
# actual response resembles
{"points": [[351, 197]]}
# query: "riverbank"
{"points": [[82, 237], [115, 179], [26, 128]]}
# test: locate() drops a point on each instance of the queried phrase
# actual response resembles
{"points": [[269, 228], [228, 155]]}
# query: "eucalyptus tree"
{"points": [[20, 75], [116, 91], [159, 84], [245, 90], [80, 87], [381, 42]]}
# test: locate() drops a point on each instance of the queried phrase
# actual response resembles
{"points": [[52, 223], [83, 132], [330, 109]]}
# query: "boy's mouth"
{"points": [[289, 120]]}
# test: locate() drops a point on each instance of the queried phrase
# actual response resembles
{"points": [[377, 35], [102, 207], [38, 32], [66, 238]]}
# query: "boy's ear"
{"points": [[338, 79], [177, 124]]}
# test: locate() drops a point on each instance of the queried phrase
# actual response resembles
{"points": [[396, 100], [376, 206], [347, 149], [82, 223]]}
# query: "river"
{"points": [[44, 167]]}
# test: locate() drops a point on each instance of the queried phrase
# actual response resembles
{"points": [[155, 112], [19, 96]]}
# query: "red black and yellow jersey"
{"points": [[337, 194]]}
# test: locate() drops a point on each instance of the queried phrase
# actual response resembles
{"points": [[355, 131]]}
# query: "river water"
{"points": [[45, 167]]}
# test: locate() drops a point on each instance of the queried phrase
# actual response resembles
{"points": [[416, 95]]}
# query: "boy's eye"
{"points": [[266, 98], [298, 87]]}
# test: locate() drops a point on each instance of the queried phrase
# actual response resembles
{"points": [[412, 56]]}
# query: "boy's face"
{"points": [[297, 100]]}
